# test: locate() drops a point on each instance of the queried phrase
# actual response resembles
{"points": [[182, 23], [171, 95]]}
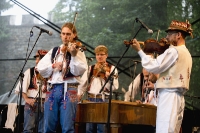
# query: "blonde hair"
{"points": [[101, 48]]}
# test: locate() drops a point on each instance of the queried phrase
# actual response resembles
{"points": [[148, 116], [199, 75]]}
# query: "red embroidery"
{"points": [[72, 94], [181, 77]]}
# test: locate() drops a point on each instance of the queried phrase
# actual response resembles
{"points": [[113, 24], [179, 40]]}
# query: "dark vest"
{"points": [[68, 58], [32, 76]]}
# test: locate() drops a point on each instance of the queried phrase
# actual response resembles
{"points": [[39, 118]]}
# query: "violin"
{"points": [[100, 70], [78, 46], [152, 45]]}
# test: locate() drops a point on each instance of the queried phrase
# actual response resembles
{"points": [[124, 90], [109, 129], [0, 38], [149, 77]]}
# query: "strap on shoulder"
{"points": [[54, 53]]}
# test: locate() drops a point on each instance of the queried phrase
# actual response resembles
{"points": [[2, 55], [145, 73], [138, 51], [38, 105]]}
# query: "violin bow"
{"points": [[75, 16], [157, 35]]}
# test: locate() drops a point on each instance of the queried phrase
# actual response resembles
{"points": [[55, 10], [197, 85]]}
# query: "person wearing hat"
{"points": [[144, 82], [94, 79], [174, 69], [33, 92]]}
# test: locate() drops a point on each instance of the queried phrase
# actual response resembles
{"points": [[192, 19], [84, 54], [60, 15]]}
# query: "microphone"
{"points": [[31, 33], [143, 25], [90, 59], [44, 30]]}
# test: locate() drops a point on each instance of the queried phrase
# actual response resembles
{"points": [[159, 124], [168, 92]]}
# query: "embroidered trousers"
{"points": [[57, 110], [31, 118]]}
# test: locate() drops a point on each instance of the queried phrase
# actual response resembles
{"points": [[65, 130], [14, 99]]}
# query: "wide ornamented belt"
{"points": [[37, 99], [69, 85], [72, 85], [90, 95]]}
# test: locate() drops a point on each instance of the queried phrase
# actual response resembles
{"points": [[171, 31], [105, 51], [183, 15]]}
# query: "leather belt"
{"points": [[37, 99], [72, 85], [90, 95], [69, 85]]}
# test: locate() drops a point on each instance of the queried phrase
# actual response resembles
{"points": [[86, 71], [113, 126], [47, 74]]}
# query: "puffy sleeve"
{"points": [[26, 82], [84, 82], [78, 64], [44, 66], [161, 63]]}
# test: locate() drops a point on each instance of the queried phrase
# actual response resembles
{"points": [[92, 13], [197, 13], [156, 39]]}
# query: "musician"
{"points": [[174, 67], [63, 65], [144, 83], [33, 84], [94, 79]]}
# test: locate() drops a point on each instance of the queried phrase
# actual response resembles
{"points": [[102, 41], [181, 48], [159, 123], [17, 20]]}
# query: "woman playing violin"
{"points": [[94, 79]]}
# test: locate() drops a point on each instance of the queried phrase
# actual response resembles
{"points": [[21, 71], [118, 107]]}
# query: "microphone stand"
{"points": [[134, 73], [109, 105], [110, 78], [21, 76], [39, 105]]}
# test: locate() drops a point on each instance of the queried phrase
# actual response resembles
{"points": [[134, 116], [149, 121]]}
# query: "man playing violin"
{"points": [[174, 69], [34, 90], [144, 83], [63, 65], [94, 79]]}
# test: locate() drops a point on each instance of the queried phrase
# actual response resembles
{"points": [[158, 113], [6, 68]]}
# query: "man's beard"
{"points": [[174, 43]]}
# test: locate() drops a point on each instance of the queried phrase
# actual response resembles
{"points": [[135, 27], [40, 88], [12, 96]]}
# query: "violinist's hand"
{"points": [[30, 101], [135, 45], [57, 65], [107, 74], [72, 49], [150, 85], [138, 101], [44, 89], [64, 48]]}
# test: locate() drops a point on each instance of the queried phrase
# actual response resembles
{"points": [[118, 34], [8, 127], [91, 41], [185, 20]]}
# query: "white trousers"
{"points": [[170, 110]]}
